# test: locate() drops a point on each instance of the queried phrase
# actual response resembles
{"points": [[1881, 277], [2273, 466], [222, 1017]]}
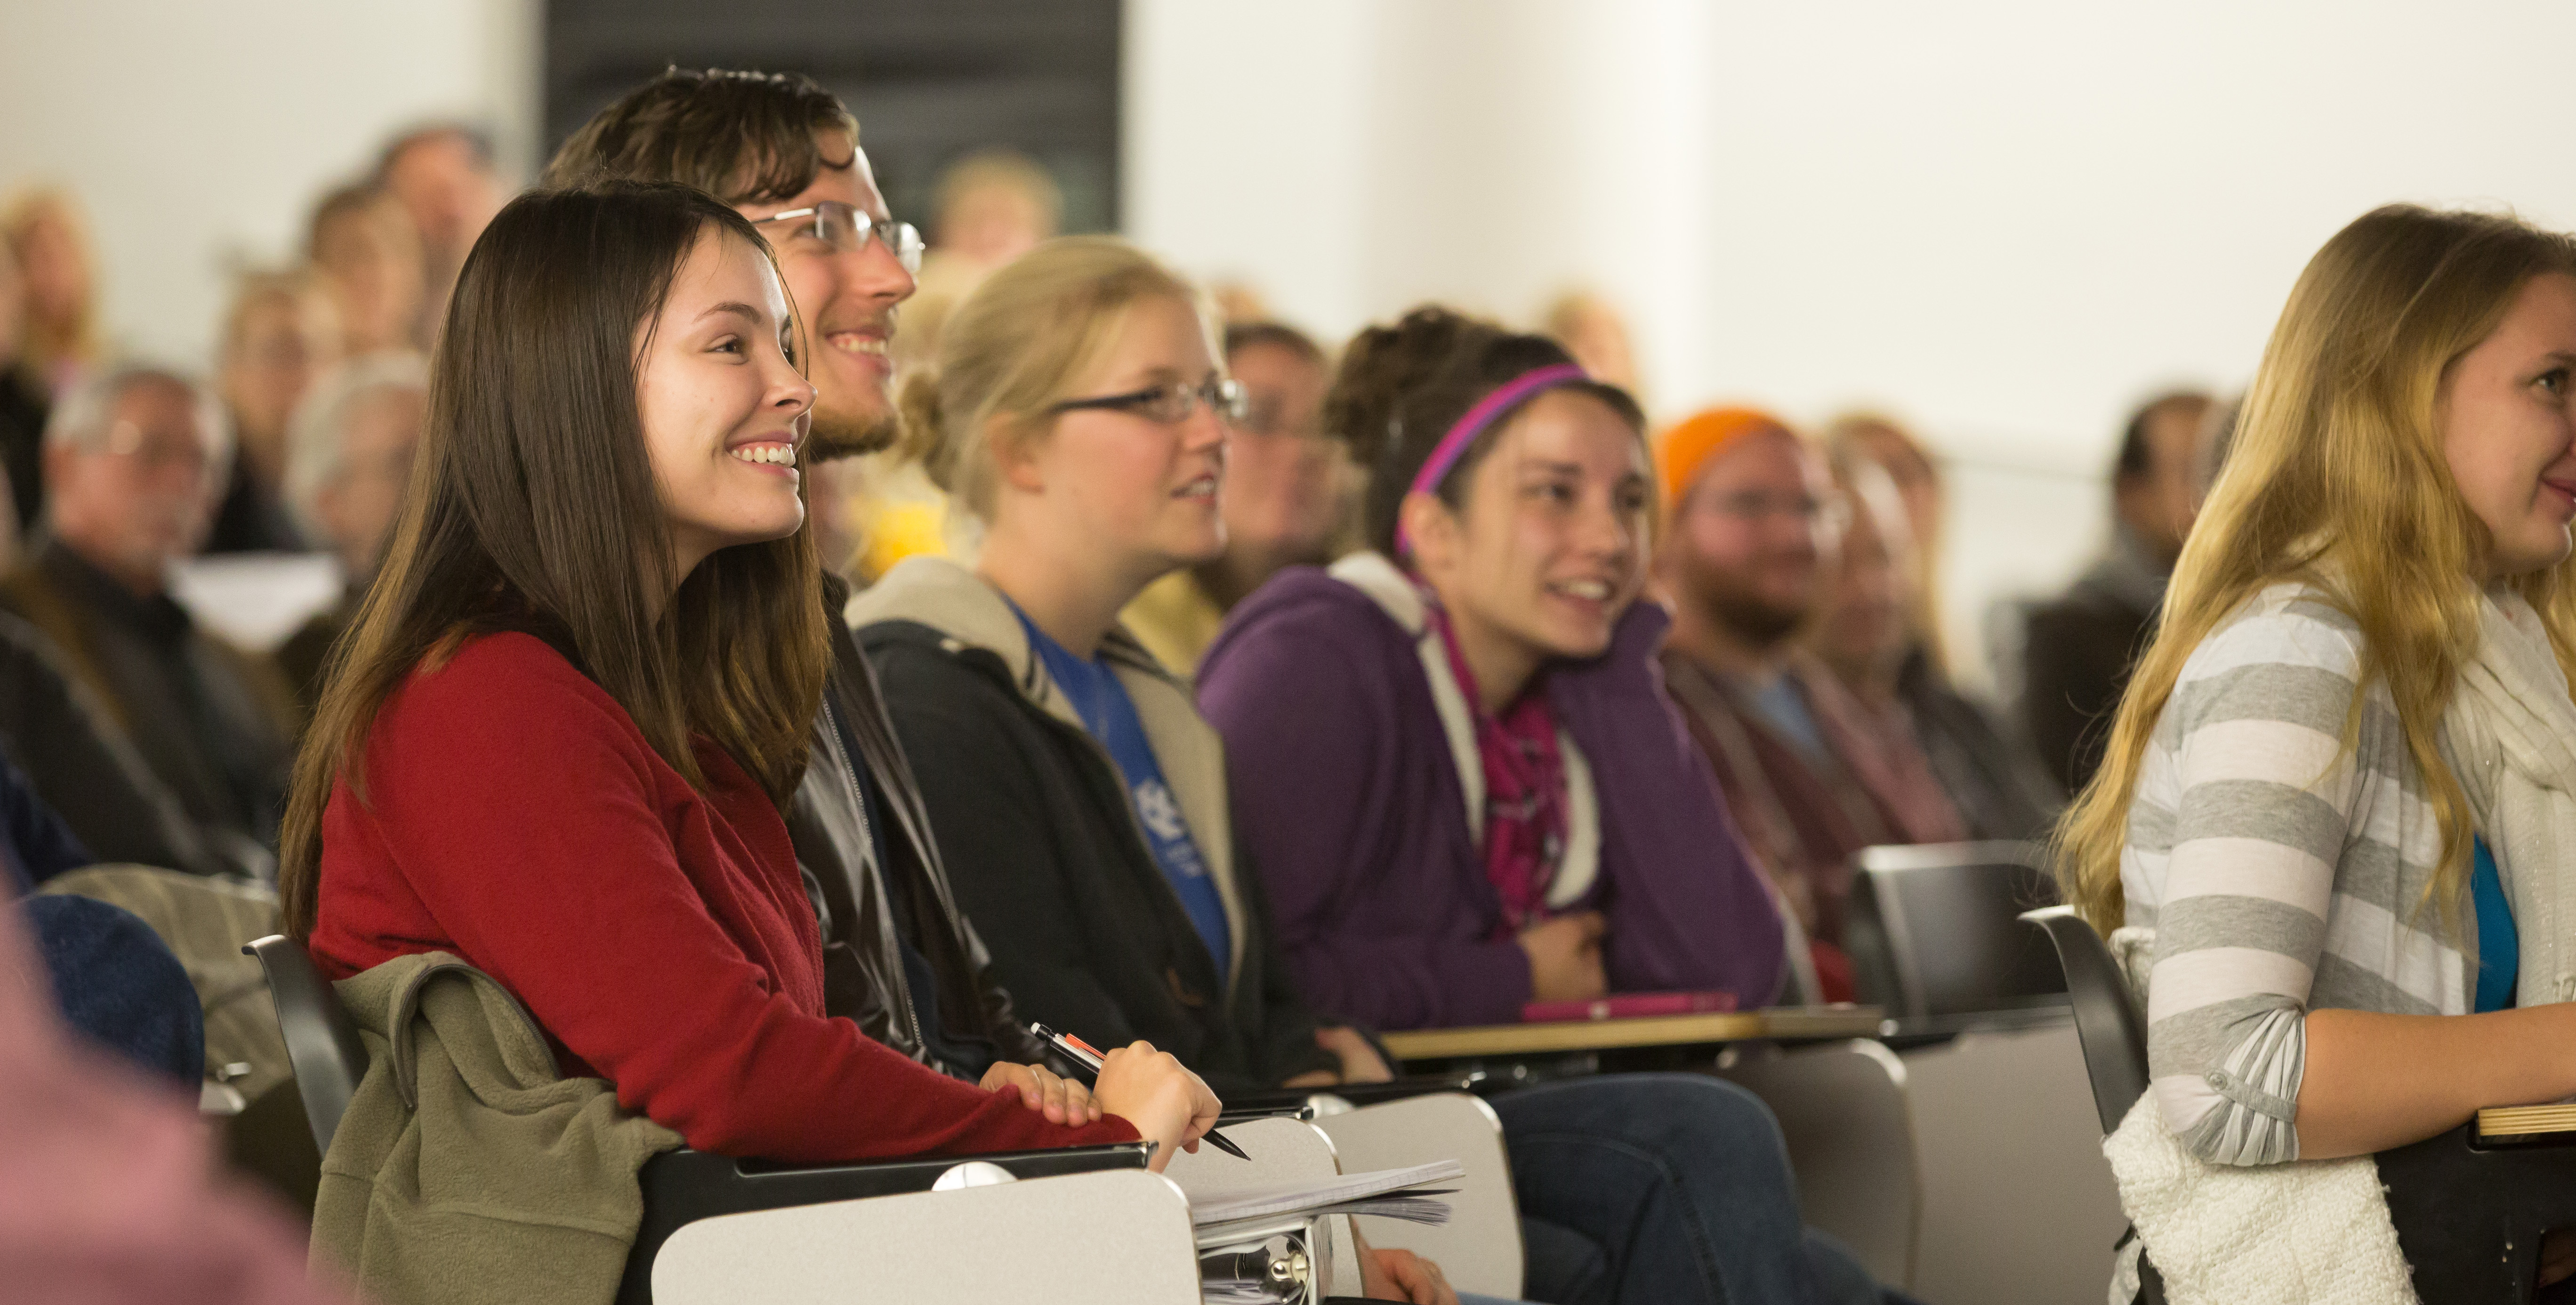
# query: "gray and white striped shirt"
{"points": [[2281, 872]]}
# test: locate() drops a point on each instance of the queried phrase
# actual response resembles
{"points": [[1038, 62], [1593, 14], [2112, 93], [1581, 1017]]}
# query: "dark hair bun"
{"points": [[1384, 364], [1400, 388]]}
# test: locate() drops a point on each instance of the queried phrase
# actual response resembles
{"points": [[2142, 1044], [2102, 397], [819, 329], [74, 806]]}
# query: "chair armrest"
{"points": [[684, 1186]]}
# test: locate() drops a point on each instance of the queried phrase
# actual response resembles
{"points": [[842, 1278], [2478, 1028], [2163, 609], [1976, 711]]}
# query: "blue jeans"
{"points": [[1669, 1188]]}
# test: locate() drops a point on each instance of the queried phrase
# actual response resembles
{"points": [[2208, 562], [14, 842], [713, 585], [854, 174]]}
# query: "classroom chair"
{"points": [[1850, 1133], [1480, 1247], [1935, 938], [2112, 1032], [1100, 1226]]}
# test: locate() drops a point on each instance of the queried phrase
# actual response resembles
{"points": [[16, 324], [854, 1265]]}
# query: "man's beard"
{"points": [[835, 434], [1733, 606]]}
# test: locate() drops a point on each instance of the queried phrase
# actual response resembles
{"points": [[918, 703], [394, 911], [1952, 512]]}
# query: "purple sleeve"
{"points": [[1355, 872], [1689, 911]]}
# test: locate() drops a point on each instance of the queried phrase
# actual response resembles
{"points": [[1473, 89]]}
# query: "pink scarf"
{"points": [[1525, 823]]}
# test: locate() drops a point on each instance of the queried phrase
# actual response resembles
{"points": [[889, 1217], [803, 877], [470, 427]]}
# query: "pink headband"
{"points": [[1453, 445]]}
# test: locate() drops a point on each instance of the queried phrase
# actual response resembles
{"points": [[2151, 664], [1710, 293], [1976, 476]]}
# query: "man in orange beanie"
{"points": [[1751, 517]]}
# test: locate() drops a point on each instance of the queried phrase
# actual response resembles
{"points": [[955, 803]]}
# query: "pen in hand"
{"points": [[1089, 1058]]}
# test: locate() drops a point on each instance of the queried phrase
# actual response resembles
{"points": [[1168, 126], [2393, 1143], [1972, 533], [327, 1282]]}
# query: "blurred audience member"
{"points": [[110, 1195], [2210, 448], [1897, 451], [1239, 302], [1595, 333], [58, 732], [1927, 731], [990, 207], [2078, 647], [131, 461], [282, 332], [442, 175], [1284, 498], [35, 843], [1752, 520], [112, 977], [993, 206], [368, 254], [44, 228], [348, 461], [22, 404]]}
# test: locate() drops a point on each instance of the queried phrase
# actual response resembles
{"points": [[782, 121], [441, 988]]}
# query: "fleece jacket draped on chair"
{"points": [[467, 1170]]}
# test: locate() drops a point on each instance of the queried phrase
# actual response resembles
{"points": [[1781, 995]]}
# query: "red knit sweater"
{"points": [[517, 818]]}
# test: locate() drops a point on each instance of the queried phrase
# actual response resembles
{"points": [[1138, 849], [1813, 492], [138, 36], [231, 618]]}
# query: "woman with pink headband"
{"points": [[1454, 762], [1453, 755]]}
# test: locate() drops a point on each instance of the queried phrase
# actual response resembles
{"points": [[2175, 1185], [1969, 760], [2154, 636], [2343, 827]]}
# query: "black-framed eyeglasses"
{"points": [[1171, 403], [847, 230]]}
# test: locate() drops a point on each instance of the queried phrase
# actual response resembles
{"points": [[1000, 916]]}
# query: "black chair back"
{"points": [[2107, 1021], [1933, 930], [322, 1045], [2112, 1031]]}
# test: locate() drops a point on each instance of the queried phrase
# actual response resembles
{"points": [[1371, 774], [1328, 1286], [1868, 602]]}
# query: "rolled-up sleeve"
{"points": [[2266, 791]]}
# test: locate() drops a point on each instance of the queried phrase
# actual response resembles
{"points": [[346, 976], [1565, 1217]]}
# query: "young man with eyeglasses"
{"points": [[1750, 519], [899, 959]]}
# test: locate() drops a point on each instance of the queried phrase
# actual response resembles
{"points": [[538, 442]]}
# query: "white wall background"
{"points": [[2006, 219], [198, 135]]}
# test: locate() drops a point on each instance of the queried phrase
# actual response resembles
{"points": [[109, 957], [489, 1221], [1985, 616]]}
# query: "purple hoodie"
{"points": [[1347, 790]]}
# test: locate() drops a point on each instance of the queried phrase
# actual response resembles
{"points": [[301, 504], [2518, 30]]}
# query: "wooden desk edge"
{"points": [[1649, 1031]]}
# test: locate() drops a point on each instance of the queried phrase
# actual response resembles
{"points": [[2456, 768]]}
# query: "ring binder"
{"points": [[1262, 1262]]}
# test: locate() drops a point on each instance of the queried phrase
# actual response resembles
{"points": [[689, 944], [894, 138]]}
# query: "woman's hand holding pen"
{"points": [[1152, 1090], [1062, 1100]]}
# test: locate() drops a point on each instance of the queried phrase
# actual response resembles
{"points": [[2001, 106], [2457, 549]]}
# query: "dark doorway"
{"points": [[930, 80]]}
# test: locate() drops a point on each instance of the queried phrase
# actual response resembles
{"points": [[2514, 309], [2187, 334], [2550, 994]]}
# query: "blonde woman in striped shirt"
{"points": [[2274, 800]]}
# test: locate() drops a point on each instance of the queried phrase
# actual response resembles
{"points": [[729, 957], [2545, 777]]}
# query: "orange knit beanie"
{"points": [[1688, 444]]}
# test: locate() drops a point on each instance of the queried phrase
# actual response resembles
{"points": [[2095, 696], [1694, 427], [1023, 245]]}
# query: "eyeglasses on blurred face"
{"points": [[157, 451], [1754, 506], [847, 230], [1171, 403]]}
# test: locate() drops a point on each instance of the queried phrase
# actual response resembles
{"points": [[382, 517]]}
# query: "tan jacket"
{"points": [[467, 1169]]}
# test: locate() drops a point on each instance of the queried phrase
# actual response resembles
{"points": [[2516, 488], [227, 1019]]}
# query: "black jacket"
{"points": [[2075, 664], [79, 763], [215, 724], [1045, 850], [863, 972]]}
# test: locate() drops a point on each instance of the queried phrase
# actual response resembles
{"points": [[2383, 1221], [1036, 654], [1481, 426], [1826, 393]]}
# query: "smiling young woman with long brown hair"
{"points": [[556, 741]]}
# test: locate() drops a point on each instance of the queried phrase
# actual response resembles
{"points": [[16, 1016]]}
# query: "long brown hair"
{"points": [[2337, 480], [533, 506]]}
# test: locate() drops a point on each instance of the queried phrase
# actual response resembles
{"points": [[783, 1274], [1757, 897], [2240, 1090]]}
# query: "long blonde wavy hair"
{"points": [[2337, 479]]}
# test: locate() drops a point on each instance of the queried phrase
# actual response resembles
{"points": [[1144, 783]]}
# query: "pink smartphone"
{"points": [[1629, 1005]]}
